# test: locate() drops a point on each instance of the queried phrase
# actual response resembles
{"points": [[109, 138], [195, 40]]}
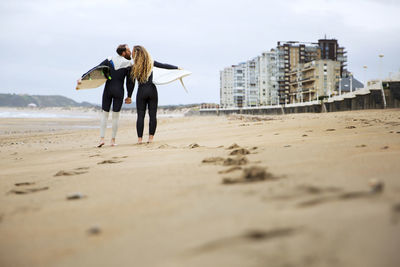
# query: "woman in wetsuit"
{"points": [[147, 96]]}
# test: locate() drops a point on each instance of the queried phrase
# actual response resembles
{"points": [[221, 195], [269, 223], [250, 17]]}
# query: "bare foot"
{"points": [[101, 143], [113, 142], [151, 137], [140, 140]]}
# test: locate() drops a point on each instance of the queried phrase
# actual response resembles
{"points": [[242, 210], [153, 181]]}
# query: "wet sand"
{"points": [[295, 190]]}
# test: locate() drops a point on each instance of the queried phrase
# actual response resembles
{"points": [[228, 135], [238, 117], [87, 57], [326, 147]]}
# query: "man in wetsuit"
{"points": [[119, 67]]}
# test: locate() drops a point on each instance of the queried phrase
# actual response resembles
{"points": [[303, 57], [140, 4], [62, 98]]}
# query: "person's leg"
{"points": [[115, 120], [103, 126], [141, 111], [106, 105], [117, 104], [153, 104]]}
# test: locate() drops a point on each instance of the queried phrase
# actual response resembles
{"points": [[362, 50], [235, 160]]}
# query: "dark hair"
{"points": [[121, 48]]}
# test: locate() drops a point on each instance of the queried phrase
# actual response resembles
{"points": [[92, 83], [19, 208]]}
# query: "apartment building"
{"points": [[290, 55], [251, 89], [233, 82], [226, 87], [330, 49], [267, 78], [239, 94], [312, 80], [251, 83]]}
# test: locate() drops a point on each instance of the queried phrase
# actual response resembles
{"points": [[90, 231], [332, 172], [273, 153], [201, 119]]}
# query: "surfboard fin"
{"points": [[184, 87]]}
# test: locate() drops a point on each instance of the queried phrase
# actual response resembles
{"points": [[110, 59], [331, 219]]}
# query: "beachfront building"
{"points": [[238, 85], [235, 82], [330, 49], [251, 83], [293, 53], [226, 87], [267, 78], [289, 55], [313, 80], [239, 94]]}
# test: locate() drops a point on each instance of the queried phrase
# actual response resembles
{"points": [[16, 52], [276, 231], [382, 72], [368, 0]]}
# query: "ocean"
{"points": [[45, 115]]}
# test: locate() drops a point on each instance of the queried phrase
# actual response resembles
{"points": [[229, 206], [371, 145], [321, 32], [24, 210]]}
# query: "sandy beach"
{"points": [[286, 190]]}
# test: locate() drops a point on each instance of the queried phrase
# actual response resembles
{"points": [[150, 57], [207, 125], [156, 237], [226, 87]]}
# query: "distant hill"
{"points": [[20, 100]]}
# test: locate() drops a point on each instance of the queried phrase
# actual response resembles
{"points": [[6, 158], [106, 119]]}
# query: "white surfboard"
{"points": [[165, 76]]}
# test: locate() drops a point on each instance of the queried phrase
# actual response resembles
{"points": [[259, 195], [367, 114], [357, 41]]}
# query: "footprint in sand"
{"points": [[395, 213], [239, 160], [330, 130], [231, 169], [251, 174], [361, 145], [194, 145], [214, 160], [376, 188], [350, 127], [96, 155], [24, 183], [69, 173], [233, 146], [305, 190], [311, 189], [75, 196], [109, 161], [164, 146], [257, 235], [28, 190], [239, 151], [94, 230], [249, 236]]}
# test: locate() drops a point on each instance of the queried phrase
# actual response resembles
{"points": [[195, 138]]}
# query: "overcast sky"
{"points": [[47, 45]]}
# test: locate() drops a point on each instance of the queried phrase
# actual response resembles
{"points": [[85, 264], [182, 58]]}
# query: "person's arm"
{"points": [[103, 63], [130, 84], [164, 66]]}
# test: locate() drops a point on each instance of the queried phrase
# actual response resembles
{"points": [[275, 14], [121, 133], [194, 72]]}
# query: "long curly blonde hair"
{"points": [[143, 64]]}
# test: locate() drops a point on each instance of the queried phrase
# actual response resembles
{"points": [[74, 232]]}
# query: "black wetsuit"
{"points": [[147, 96], [114, 88]]}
